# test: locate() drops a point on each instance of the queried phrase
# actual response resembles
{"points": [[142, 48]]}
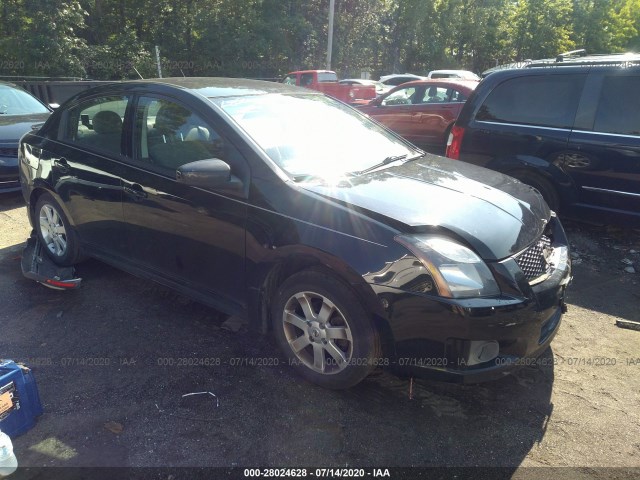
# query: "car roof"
{"points": [[210, 87], [448, 82], [499, 75], [468, 73], [579, 57], [396, 75], [311, 71], [574, 58]]}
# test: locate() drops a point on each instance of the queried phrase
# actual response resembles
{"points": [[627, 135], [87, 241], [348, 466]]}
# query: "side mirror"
{"points": [[208, 173]]}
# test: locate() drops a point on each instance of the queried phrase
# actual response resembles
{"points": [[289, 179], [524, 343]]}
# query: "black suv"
{"points": [[570, 127]]}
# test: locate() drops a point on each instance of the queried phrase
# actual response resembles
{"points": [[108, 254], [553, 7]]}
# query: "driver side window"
{"points": [[169, 135]]}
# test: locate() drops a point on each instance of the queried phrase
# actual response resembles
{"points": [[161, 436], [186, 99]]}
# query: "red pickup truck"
{"points": [[326, 81]]}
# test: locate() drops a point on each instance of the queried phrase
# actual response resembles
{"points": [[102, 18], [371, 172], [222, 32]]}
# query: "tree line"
{"points": [[116, 39]]}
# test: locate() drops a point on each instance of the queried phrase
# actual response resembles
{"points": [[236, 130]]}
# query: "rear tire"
{"points": [[324, 331], [55, 232]]}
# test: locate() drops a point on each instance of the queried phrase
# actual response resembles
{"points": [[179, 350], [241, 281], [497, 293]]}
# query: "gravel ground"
{"points": [[114, 359]]}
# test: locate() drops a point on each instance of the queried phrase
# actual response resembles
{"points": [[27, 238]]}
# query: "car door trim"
{"points": [[521, 125], [614, 192], [623, 135]]}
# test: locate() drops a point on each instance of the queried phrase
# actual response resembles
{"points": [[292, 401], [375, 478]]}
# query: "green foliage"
{"points": [[116, 39], [52, 44]]}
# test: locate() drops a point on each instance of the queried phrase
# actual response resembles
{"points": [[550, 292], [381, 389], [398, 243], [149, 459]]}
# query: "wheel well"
{"points": [[280, 272], [33, 199]]}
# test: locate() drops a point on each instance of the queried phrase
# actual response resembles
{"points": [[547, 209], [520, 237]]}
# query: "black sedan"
{"points": [[19, 113], [354, 248]]}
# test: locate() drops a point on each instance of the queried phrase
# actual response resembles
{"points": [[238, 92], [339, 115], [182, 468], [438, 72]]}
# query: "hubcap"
{"points": [[52, 230], [317, 332]]}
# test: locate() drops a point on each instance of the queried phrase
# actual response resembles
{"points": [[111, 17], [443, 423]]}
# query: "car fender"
{"points": [[511, 165], [40, 187]]}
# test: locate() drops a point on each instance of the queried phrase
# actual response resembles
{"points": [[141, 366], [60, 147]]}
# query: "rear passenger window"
{"points": [[619, 106], [549, 101], [98, 124]]}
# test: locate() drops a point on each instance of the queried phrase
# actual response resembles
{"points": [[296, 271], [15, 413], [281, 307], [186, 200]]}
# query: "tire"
{"points": [[543, 186], [55, 233], [324, 331]]}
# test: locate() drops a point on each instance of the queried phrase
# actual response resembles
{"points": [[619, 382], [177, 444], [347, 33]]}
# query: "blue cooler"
{"points": [[19, 399]]}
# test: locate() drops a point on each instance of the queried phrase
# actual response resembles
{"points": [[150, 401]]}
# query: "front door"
{"points": [[191, 237]]}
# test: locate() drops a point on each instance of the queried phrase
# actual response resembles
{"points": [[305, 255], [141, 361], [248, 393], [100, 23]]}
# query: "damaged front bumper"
{"points": [[37, 266]]}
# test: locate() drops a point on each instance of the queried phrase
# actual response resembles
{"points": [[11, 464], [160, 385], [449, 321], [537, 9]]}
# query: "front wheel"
{"points": [[324, 331], [55, 232]]}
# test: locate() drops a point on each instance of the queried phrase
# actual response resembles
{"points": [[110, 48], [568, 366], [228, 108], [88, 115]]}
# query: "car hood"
{"points": [[496, 214], [12, 127]]}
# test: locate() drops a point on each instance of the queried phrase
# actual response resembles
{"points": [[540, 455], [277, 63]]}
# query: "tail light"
{"points": [[454, 142]]}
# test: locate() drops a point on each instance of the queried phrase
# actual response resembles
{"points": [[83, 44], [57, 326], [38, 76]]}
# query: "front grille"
{"points": [[533, 262], [9, 152]]}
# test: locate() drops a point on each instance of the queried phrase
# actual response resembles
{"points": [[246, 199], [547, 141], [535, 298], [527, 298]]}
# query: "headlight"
{"points": [[457, 271]]}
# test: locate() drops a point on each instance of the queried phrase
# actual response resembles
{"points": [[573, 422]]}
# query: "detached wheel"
{"points": [[55, 233], [324, 331]]}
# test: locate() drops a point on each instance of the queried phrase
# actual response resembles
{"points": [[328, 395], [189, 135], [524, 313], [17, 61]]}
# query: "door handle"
{"points": [[136, 192], [62, 165]]}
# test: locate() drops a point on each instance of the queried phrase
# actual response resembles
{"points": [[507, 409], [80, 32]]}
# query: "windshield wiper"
{"points": [[303, 177], [386, 161]]}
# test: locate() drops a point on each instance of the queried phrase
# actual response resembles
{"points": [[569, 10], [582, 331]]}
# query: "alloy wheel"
{"points": [[317, 332], [53, 231]]}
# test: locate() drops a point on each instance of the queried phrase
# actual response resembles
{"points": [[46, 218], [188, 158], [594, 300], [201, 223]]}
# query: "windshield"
{"points": [[17, 102], [313, 135], [327, 77]]}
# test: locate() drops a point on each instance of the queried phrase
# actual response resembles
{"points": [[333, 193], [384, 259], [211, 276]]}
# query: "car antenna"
{"points": [[141, 77]]}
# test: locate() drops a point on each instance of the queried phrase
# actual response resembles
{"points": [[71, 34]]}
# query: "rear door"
{"points": [[604, 162], [439, 108], [85, 167]]}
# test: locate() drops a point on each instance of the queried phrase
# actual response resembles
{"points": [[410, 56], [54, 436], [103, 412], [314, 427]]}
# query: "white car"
{"points": [[399, 78], [463, 74]]}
